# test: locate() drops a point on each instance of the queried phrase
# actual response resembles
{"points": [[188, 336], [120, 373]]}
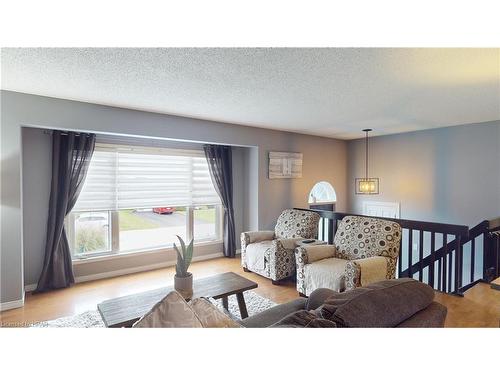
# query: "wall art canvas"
{"points": [[285, 164]]}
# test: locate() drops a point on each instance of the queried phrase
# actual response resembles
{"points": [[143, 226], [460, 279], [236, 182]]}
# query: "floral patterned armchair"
{"points": [[271, 253], [365, 251]]}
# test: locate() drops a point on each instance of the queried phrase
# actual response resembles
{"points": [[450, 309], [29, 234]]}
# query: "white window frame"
{"points": [[70, 228], [114, 234], [114, 230], [219, 217]]}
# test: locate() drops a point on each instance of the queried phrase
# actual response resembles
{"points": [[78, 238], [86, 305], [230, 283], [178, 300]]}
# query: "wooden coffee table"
{"points": [[125, 311]]}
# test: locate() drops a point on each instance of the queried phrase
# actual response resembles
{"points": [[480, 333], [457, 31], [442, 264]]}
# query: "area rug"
{"points": [[92, 319]]}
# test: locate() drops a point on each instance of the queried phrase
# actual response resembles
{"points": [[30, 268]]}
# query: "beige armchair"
{"points": [[365, 251], [271, 253]]}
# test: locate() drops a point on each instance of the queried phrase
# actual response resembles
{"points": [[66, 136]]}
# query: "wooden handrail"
{"points": [[428, 226], [494, 224]]}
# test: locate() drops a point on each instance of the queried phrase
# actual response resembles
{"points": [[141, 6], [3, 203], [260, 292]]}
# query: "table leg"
{"points": [[225, 303], [242, 305]]}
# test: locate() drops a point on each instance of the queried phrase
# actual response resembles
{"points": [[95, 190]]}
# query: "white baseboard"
{"points": [[127, 271], [11, 305]]}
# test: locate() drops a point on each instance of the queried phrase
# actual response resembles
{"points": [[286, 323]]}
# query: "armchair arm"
{"points": [[313, 253], [255, 236], [251, 237], [366, 271], [308, 254]]}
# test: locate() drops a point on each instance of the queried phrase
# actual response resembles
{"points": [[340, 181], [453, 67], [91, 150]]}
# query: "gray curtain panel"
{"points": [[71, 153], [220, 164]]}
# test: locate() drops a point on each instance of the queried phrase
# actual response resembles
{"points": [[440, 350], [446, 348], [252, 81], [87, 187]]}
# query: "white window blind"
{"points": [[138, 177]]}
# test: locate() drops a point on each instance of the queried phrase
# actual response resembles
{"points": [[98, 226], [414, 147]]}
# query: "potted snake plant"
{"points": [[183, 280]]}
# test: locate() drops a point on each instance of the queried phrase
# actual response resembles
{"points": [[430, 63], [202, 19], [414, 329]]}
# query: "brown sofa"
{"points": [[389, 303]]}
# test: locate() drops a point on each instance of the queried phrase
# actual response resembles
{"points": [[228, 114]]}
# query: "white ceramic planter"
{"points": [[184, 285]]}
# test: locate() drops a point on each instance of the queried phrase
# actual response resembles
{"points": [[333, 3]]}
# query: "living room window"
{"points": [[140, 198]]}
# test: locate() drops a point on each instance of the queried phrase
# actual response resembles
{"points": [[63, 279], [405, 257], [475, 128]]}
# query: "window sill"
{"points": [[104, 257]]}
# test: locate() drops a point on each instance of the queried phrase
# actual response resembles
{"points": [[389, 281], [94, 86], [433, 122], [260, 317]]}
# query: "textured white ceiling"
{"points": [[331, 92]]}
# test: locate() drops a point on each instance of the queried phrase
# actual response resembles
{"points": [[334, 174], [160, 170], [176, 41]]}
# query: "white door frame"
{"points": [[383, 209]]}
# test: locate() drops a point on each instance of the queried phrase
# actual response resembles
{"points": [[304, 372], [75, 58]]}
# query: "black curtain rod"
{"points": [[77, 134]]}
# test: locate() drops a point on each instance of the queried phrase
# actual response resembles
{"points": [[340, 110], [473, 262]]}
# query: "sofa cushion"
{"points": [[383, 304], [326, 273], [171, 312], [433, 316], [210, 316], [274, 314], [304, 319]]}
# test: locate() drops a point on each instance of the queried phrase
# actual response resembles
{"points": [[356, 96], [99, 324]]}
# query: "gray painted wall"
{"points": [[324, 159], [449, 175], [37, 169]]}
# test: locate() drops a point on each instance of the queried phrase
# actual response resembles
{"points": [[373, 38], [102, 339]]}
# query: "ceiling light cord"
{"points": [[366, 152], [366, 156]]}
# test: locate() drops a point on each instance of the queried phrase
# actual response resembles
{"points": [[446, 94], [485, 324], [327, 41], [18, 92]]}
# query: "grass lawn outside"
{"points": [[130, 221], [206, 214]]}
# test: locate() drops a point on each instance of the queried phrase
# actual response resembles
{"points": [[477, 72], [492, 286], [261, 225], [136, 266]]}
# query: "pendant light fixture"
{"points": [[366, 185]]}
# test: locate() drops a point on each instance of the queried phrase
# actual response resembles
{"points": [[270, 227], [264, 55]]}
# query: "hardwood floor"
{"points": [[479, 308]]}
